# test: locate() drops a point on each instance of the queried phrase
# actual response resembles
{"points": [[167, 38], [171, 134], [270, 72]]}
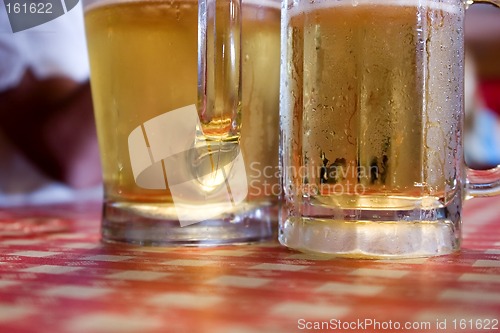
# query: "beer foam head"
{"points": [[90, 4], [451, 6], [263, 3]]}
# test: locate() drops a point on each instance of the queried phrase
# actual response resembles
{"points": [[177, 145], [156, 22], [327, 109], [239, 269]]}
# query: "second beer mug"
{"points": [[171, 176], [372, 118]]}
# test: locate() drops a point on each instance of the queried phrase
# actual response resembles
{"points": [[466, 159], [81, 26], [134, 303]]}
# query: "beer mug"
{"points": [[371, 112], [177, 97]]}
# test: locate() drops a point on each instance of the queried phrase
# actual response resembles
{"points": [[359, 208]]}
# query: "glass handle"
{"points": [[219, 69], [483, 183], [492, 2]]}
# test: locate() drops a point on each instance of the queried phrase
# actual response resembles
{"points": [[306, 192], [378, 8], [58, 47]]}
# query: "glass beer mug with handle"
{"points": [[167, 92], [371, 112]]}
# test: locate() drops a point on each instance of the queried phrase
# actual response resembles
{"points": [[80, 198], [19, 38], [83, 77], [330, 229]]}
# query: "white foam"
{"points": [[263, 3], [450, 7], [91, 4]]}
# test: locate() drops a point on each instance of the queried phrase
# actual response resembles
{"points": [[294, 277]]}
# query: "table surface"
{"points": [[68, 281]]}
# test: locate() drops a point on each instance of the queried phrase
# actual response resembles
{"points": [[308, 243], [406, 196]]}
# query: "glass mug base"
{"points": [[157, 225], [387, 236]]}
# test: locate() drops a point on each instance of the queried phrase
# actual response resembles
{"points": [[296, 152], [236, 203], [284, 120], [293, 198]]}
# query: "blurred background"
{"points": [[482, 38]]}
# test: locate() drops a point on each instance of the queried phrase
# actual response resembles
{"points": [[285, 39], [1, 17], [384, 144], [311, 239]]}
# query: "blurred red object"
{"points": [[490, 92]]}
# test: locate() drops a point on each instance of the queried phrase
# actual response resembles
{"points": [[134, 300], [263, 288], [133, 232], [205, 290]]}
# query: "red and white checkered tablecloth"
{"points": [[70, 282]]}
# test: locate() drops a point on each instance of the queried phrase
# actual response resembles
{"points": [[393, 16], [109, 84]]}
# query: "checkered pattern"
{"points": [[70, 282]]}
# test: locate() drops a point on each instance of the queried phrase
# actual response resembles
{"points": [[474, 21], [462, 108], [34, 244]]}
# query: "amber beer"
{"points": [[371, 102], [371, 106], [143, 57]]}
